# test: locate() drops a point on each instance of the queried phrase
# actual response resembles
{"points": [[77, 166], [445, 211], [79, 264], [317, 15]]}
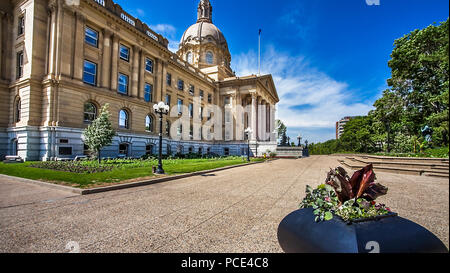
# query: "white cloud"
{"points": [[308, 98], [169, 32], [140, 12], [164, 29]]}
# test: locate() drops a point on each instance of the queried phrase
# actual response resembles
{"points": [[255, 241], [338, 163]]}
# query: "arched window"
{"points": [[209, 57], [189, 57], [149, 123], [124, 119], [90, 112], [18, 111]]}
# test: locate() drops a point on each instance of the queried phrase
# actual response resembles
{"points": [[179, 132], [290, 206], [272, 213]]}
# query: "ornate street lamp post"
{"points": [[248, 133], [299, 137], [160, 109]]}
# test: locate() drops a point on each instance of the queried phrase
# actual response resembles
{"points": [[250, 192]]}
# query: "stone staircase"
{"points": [[435, 167], [289, 152]]}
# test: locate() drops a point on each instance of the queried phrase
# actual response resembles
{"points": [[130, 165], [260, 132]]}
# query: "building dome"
{"points": [[204, 46], [204, 32]]}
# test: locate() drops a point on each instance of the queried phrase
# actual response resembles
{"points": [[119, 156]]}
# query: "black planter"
{"points": [[299, 233]]}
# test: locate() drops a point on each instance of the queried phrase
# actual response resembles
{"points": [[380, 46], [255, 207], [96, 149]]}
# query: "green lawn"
{"points": [[122, 171]]}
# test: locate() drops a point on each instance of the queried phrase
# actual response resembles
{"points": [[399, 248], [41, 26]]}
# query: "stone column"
{"points": [[52, 40], [141, 75], [254, 118], [259, 119], [135, 72], [114, 62], [106, 60], [157, 86], [273, 136], [163, 80], [263, 120], [78, 57]]}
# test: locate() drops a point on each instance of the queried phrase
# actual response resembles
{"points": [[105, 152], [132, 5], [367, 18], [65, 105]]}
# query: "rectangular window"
{"points": [[123, 84], [91, 37], [124, 53], [64, 141], [191, 89], [169, 79], [19, 64], [226, 151], [200, 113], [148, 90], [21, 25], [181, 85], [209, 98], [202, 93], [168, 99], [227, 100], [65, 151], [90, 73], [180, 106], [191, 110], [149, 65]]}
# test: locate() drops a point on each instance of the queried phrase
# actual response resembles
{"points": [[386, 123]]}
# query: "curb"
{"points": [[128, 185]]}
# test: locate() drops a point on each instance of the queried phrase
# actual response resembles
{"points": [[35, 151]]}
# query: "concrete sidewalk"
{"points": [[236, 210], [16, 192]]}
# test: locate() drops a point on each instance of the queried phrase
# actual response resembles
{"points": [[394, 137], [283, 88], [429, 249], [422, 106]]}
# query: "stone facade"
{"points": [[45, 84]]}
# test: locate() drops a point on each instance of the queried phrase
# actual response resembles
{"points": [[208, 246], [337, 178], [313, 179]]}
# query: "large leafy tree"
{"points": [[99, 133], [282, 133], [420, 79], [358, 135]]}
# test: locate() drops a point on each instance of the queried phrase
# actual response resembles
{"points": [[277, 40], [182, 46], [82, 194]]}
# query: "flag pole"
{"points": [[259, 53]]}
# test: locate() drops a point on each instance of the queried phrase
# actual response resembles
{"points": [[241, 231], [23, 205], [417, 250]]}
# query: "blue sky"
{"points": [[328, 57]]}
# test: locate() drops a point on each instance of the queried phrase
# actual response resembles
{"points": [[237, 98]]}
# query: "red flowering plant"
{"points": [[351, 198]]}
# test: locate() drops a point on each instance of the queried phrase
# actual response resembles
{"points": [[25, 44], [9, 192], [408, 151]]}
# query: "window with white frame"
{"points": [[19, 64], [90, 112], [91, 36], [149, 65], [148, 90], [21, 25], [124, 119], [18, 110], [124, 53], [123, 84], [90, 72], [181, 85]]}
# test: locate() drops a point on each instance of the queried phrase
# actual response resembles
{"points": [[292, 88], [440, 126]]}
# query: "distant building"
{"points": [[340, 126]]}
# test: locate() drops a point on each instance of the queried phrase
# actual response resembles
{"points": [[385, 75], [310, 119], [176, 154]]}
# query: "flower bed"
{"points": [[72, 167]]}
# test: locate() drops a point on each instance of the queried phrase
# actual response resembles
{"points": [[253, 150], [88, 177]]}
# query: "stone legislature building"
{"points": [[62, 60]]}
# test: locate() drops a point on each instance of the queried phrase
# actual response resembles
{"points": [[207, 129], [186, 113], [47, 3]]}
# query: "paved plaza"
{"points": [[236, 210]]}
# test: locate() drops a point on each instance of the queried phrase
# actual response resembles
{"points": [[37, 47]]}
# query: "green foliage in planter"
{"points": [[323, 200], [361, 209]]}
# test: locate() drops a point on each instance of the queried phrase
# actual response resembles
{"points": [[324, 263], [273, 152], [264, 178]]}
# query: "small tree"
{"points": [[99, 133]]}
